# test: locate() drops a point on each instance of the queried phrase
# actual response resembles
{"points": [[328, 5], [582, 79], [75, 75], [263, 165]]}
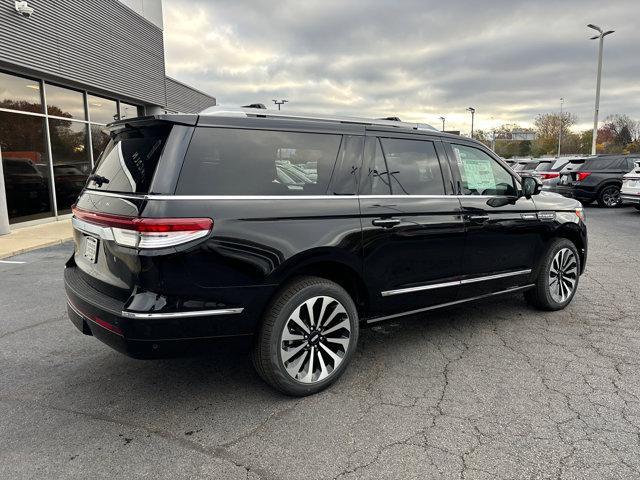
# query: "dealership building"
{"points": [[67, 68]]}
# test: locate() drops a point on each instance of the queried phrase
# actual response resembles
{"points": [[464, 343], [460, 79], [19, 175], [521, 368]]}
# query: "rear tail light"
{"points": [[549, 175], [580, 176], [147, 232]]}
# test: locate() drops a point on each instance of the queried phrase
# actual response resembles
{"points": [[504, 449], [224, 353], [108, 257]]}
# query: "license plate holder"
{"points": [[91, 249]]}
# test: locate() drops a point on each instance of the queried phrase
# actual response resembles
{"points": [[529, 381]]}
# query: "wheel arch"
{"points": [[343, 271], [571, 232]]}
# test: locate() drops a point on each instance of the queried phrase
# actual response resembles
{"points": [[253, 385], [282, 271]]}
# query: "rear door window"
{"points": [[229, 161], [129, 161], [414, 168]]}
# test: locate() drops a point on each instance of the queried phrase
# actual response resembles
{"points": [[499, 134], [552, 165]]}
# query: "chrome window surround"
{"points": [[167, 197], [465, 281]]}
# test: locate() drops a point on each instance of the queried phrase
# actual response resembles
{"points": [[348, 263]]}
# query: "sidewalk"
{"points": [[25, 239]]}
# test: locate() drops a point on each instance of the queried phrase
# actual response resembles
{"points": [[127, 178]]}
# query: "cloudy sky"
{"points": [[417, 59]]}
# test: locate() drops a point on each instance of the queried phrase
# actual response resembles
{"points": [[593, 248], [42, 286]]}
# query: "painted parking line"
{"points": [[11, 261]]}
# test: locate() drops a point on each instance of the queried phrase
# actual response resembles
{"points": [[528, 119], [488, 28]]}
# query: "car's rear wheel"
{"points": [[609, 196], [557, 277], [637, 206], [308, 336]]}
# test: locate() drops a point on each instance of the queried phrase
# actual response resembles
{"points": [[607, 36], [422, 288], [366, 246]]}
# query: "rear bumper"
{"points": [[633, 198], [150, 334]]}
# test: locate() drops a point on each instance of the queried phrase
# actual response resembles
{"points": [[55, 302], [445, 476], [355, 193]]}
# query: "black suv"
{"points": [[293, 231], [598, 178]]}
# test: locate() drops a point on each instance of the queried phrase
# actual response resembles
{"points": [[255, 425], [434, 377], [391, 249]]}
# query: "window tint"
{"points": [[130, 159], [344, 178], [379, 174], [481, 174], [413, 166], [223, 161]]}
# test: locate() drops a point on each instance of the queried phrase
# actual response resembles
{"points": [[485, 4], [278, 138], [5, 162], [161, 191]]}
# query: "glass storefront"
{"points": [[25, 166], [71, 162], [74, 140]]}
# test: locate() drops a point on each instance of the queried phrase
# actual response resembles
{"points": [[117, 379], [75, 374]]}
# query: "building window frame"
{"points": [[46, 116]]}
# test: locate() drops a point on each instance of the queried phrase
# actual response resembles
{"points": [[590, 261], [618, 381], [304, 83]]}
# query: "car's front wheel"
{"points": [[557, 277], [308, 336]]}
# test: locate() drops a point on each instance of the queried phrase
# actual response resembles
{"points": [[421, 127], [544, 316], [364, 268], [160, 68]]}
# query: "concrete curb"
{"points": [[26, 239], [35, 247]]}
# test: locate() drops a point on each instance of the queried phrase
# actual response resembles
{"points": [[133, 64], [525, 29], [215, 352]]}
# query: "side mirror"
{"points": [[531, 186]]}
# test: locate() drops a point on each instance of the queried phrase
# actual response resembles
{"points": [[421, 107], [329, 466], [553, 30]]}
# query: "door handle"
{"points": [[386, 222]]}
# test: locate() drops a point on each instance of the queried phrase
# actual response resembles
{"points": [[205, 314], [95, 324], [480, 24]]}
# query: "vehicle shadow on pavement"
{"points": [[226, 376]]}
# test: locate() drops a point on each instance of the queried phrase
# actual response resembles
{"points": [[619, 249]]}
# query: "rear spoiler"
{"points": [[151, 120]]}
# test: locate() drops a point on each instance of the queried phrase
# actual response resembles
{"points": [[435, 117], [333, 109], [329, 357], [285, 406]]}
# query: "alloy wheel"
{"points": [[611, 196], [563, 275], [315, 339]]}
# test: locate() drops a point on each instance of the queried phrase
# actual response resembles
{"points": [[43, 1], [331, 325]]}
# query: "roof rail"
{"points": [[222, 111]]}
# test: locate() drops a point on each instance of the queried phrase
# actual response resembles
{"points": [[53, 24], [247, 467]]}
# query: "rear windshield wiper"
{"points": [[98, 179]]}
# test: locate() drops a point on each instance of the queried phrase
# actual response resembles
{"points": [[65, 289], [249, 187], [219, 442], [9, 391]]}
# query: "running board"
{"points": [[448, 304]]}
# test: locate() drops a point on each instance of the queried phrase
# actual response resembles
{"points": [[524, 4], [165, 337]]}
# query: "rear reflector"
{"points": [[147, 232], [582, 175]]}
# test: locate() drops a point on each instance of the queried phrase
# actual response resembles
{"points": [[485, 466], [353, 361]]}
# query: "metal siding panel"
{"points": [[98, 43], [181, 98]]}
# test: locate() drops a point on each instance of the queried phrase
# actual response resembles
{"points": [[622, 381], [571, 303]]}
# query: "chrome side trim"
{"points": [[193, 313], [495, 277], [454, 283], [399, 291], [449, 304]]}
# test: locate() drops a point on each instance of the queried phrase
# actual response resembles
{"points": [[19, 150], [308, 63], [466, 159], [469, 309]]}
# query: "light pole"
{"points": [[473, 112], [443, 119], [595, 114], [280, 103], [561, 125]]}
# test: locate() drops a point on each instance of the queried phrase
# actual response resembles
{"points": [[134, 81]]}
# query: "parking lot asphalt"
{"points": [[490, 390]]}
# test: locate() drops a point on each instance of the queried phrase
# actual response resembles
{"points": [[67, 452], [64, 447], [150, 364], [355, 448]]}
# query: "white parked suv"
{"points": [[630, 192]]}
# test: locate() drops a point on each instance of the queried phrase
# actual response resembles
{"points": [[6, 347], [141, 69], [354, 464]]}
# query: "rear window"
{"points": [[129, 161], [229, 161], [522, 166], [544, 166]]}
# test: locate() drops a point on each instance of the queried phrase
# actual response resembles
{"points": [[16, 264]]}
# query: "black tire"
{"points": [[637, 206], [609, 196], [542, 296], [266, 353]]}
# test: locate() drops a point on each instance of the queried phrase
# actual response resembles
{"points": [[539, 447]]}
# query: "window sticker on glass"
{"points": [[479, 174], [458, 157]]}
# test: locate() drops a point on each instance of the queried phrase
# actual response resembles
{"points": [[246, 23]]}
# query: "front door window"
{"points": [[482, 175]]}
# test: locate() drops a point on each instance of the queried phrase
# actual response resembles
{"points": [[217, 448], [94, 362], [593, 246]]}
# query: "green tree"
{"points": [[548, 126]]}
